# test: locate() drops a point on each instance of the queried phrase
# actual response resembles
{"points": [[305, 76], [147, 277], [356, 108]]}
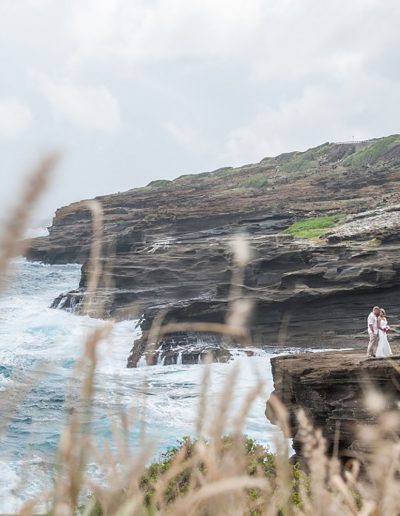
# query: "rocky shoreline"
{"points": [[166, 249], [332, 389]]}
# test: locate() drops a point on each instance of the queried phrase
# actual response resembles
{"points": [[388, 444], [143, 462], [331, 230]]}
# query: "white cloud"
{"points": [[186, 136], [163, 29], [15, 117], [206, 83], [337, 111], [88, 107]]}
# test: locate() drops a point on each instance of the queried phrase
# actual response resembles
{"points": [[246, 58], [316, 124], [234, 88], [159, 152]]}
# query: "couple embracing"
{"points": [[378, 329]]}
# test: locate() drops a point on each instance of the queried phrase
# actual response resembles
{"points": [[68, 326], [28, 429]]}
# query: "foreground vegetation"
{"points": [[213, 476], [258, 460], [228, 475]]}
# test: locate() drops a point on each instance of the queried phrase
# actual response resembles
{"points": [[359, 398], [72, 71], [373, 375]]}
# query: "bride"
{"points": [[383, 349]]}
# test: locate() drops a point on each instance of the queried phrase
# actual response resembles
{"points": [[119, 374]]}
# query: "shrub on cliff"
{"points": [[259, 460], [258, 181]]}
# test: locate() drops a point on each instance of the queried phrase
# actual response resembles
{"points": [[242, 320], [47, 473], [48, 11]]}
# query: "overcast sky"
{"points": [[136, 90]]}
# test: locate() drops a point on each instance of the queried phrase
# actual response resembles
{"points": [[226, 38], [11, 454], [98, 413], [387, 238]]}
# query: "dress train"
{"points": [[383, 349]]}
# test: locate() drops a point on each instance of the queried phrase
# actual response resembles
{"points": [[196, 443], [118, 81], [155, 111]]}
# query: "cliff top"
{"points": [[167, 245], [314, 367], [333, 177], [333, 388]]}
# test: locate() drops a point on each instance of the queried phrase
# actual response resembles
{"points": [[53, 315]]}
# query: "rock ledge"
{"points": [[330, 387]]}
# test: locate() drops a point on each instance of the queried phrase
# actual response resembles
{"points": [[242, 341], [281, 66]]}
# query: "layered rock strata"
{"points": [[166, 248], [331, 388]]}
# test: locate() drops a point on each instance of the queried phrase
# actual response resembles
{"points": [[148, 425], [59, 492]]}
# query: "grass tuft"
{"points": [[258, 181], [314, 227]]}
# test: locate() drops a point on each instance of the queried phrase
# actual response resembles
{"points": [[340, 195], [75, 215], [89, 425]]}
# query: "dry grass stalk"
{"points": [[91, 305], [236, 325], [248, 402], [202, 407], [220, 482], [75, 440], [221, 414], [224, 329], [11, 398], [12, 244]]}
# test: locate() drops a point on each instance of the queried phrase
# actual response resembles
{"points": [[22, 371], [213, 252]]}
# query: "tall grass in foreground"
{"points": [[218, 476]]}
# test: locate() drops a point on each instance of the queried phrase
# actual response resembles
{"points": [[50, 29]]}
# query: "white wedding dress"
{"points": [[383, 349]]}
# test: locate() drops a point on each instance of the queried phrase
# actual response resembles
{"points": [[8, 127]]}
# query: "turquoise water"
{"points": [[39, 347]]}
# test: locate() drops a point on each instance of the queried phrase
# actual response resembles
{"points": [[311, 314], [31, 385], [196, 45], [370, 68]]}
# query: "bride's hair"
{"points": [[383, 312]]}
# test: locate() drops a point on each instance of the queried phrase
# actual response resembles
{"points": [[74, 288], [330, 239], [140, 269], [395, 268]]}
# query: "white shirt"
{"points": [[373, 321]]}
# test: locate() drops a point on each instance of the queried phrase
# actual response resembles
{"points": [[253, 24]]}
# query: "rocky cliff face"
{"points": [[166, 248], [331, 388]]}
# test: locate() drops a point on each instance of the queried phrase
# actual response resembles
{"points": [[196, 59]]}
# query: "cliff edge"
{"points": [[331, 388], [323, 226]]}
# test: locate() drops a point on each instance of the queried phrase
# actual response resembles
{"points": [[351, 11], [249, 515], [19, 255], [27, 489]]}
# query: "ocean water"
{"points": [[39, 348]]}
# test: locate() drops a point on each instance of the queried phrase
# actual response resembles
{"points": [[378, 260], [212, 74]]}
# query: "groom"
{"points": [[373, 331]]}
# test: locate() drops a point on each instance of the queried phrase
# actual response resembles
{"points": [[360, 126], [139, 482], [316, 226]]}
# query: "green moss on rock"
{"points": [[313, 227]]}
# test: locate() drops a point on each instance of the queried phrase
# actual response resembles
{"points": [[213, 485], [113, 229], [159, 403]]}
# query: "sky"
{"points": [[135, 90]]}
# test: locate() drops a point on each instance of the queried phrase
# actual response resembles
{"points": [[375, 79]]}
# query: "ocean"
{"points": [[39, 348]]}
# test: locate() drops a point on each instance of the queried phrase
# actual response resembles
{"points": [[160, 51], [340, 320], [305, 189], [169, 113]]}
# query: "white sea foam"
{"points": [[34, 337]]}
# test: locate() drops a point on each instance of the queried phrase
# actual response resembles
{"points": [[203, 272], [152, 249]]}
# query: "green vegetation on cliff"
{"points": [[313, 227], [258, 181], [159, 183], [332, 177], [259, 460], [373, 152], [306, 160]]}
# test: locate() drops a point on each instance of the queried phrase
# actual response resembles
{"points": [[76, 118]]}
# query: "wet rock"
{"points": [[180, 348], [70, 301]]}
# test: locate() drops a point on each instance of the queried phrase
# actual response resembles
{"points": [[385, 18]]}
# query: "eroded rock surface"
{"points": [[331, 388], [166, 247]]}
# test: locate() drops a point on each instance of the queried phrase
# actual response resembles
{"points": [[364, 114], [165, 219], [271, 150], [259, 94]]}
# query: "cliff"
{"points": [[331, 388], [166, 247]]}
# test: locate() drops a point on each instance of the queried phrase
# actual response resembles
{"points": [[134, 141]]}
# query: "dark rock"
{"points": [[70, 301], [167, 247], [180, 348], [331, 387]]}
